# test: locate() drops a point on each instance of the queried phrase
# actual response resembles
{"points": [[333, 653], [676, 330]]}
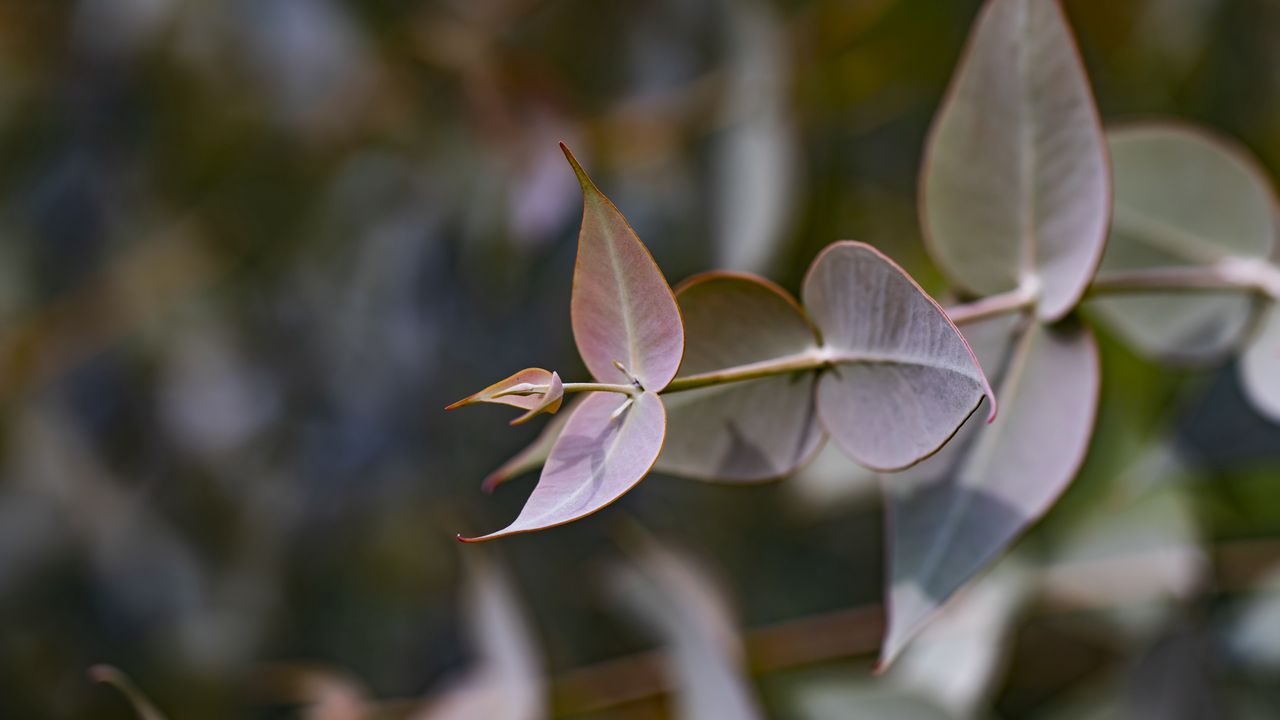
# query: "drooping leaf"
{"points": [[743, 431], [1014, 187], [958, 660], [670, 595], [608, 444], [511, 391], [114, 677], [534, 455], [1260, 365], [507, 679], [949, 517], [904, 379], [622, 309], [1183, 198]]}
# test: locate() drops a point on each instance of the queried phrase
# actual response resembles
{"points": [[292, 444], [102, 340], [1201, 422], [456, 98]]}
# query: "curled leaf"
{"points": [[1015, 187], [1184, 198], [609, 443], [623, 311], [903, 378], [744, 431], [533, 390]]}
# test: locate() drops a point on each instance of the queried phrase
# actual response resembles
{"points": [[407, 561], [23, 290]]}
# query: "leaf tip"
{"points": [[585, 181], [102, 673]]}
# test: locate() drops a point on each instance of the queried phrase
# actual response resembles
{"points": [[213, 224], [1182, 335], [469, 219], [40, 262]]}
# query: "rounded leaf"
{"points": [[1183, 198], [903, 378], [1014, 186], [622, 309], [608, 444], [744, 431]]}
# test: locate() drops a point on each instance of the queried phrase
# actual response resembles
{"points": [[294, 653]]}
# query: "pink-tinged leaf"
{"points": [[623, 311], [672, 597], [903, 378], [745, 431], [549, 401], [1184, 198], [533, 389], [950, 517], [1260, 366], [609, 443], [535, 454], [109, 675], [1015, 187]]}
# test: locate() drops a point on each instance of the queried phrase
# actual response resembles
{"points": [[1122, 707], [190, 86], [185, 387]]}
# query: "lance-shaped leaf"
{"points": [[507, 679], [678, 603], [1260, 366], [608, 444], [904, 379], [1183, 198], [950, 517], [533, 390], [623, 311], [959, 660], [744, 431], [1014, 187]]}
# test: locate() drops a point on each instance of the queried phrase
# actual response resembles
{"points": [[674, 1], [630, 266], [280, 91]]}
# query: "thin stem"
{"points": [[1227, 274], [1007, 302], [627, 389], [808, 360]]}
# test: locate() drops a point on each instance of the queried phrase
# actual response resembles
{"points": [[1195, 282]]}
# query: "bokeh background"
{"points": [[250, 249]]}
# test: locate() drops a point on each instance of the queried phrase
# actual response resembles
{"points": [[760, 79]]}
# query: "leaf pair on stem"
{"points": [[880, 365]]}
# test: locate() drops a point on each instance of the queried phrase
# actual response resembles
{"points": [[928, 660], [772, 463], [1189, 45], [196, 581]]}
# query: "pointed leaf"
{"points": [[549, 401], [959, 659], [1260, 366], [1183, 198], [603, 452], [949, 517], [623, 311], [745, 431], [1014, 188], [517, 391], [904, 378], [671, 596]]}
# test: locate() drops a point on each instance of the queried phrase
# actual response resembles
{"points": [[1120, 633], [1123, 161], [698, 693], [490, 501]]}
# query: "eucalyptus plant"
{"points": [[1044, 221]]}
